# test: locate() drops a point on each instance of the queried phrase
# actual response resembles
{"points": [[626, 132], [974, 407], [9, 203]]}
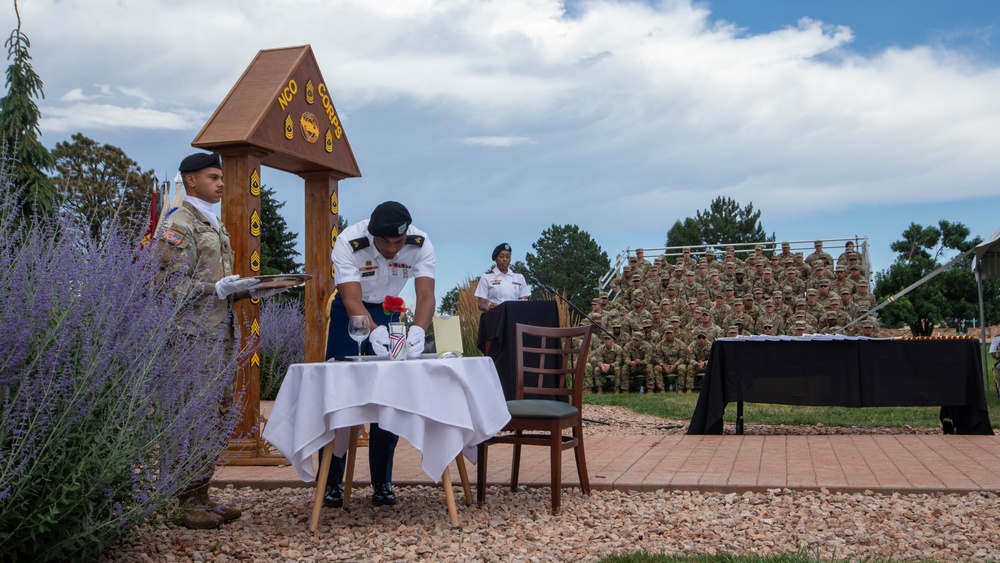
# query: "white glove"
{"points": [[264, 292], [379, 339], [233, 284], [415, 340]]}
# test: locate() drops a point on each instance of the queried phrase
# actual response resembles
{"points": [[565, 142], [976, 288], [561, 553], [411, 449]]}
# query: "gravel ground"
{"points": [[518, 526]]}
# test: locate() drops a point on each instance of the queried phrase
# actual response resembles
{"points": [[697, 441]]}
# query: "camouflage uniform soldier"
{"points": [[677, 278], [750, 309], [770, 317], [605, 363], [720, 311], [818, 256], [841, 282], [848, 250], [801, 306], [813, 306], [767, 283], [639, 360], [741, 286], [869, 328], [686, 261], [673, 358], [680, 333], [805, 271], [863, 298], [690, 315], [854, 259], [830, 326], [690, 288], [824, 296], [792, 285], [854, 274], [699, 352], [706, 326], [799, 328], [197, 247], [780, 307], [621, 337], [641, 266], [738, 315], [651, 336], [847, 304]]}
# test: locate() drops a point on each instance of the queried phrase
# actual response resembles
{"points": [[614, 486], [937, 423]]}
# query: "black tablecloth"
{"points": [[497, 327], [846, 373]]}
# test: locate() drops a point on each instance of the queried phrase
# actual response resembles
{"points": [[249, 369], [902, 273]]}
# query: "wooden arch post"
{"points": [[279, 114]]}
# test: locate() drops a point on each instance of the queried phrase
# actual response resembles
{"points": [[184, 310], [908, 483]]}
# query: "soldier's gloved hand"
{"points": [[415, 340], [379, 339], [233, 284], [264, 292]]}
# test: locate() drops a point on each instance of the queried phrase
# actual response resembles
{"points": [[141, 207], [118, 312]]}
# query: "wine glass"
{"points": [[358, 328]]}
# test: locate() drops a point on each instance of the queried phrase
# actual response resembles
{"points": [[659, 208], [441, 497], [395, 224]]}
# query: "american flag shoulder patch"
{"points": [[173, 237]]}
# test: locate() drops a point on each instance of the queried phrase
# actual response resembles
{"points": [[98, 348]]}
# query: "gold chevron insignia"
{"points": [[255, 183], [328, 143], [255, 328], [255, 301], [255, 359], [255, 261], [309, 91], [332, 271], [255, 223], [289, 127], [334, 204], [333, 237]]}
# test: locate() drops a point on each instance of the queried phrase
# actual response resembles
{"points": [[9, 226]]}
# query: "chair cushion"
{"points": [[540, 408]]}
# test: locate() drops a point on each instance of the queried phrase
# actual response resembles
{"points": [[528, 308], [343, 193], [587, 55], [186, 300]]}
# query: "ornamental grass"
{"points": [[105, 413]]}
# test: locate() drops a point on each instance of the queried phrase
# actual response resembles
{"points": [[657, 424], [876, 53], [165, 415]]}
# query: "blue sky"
{"points": [[492, 121]]}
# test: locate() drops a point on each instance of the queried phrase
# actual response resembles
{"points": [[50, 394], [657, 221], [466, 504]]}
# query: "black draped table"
{"points": [[845, 373], [497, 328]]}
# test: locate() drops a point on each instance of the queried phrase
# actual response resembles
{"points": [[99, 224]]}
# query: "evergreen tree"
{"points": [[724, 222], [19, 116], [277, 243], [567, 258]]}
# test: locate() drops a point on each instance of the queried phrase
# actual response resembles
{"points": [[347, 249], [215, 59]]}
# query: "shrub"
{"points": [[282, 342], [105, 415]]}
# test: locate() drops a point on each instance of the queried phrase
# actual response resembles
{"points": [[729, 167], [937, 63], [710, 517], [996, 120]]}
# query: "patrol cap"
{"points": [[608, 336], [689, 273], [616, 324], [603, 295], [730, 265], [758, 247], [390, 219], [668, 330], [675, 319], [637, 335], [637, 295], [627, 267], [777, 293], [867, 323], [769, 303], [818, 243], [811, 291], [786, 244], [692, 301], [738, 322], [799, 314], [733, 328], [768, 324], [656, 312], [500, 248], [664, 276], [200, 160], [665, 301], [757, 290], [638, 250], [678, 268], [648, 323], [686, 249], [855, 267], [845, 290], [800, 324], [701, 311], [801, 302], [840, 268], [824, 282], [790, 260], [831, 315], [595, 301]]}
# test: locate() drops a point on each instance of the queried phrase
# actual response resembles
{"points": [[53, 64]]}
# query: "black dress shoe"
{"points": [[333, 497], [382, 494]]}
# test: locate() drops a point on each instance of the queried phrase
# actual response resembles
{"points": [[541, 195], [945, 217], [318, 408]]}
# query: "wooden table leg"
{"points": [[352, 450], [464, 475], [449, 498], [324, 471]]}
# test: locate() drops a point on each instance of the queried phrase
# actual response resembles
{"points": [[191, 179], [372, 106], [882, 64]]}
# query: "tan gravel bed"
{"points": [[518, 526]]}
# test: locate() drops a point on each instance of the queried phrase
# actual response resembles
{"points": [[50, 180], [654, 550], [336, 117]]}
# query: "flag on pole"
{"points": [[154, 219]]}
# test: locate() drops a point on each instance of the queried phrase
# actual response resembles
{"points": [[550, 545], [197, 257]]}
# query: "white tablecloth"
{"points": [[442, 407]]}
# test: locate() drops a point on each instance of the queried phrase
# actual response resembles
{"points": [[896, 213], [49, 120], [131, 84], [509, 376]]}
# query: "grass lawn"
{"points": [[681, 407]]}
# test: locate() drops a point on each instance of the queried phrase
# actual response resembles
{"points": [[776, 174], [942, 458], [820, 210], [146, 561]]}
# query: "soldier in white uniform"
{"points": [[501, 283]]}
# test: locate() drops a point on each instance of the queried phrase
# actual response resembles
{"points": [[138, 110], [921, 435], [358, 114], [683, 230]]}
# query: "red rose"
{"points": [[393, 304]]}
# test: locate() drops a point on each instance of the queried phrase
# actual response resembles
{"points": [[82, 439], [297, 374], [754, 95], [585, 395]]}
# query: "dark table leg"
{"points": [[739, 417]]}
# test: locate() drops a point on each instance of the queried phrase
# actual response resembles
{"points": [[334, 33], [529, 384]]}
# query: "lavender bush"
{"points": [[105, 415], [282, 342]]}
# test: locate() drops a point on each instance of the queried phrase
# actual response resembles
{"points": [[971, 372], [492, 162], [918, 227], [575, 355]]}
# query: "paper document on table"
{"points": [[448, 334]]}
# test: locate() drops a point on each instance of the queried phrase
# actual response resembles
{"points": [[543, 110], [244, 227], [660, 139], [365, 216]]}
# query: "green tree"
{"points": [[724, 222], [19, 116], [449, 303], [951, 295], [100, 184], [567, 258], [277, 243]]}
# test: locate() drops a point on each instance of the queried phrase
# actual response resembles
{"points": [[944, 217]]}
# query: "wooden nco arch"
{"points": [[279, 114]]}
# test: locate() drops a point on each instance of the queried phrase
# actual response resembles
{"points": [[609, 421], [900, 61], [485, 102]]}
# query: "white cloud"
{"points": [[86, 116], [497, 142]]}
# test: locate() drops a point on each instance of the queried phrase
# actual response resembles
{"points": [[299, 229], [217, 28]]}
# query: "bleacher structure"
{"points": [[806, 247]]}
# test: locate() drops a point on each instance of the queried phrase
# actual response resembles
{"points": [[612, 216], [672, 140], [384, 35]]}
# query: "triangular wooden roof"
{"points": [[283, 107]]}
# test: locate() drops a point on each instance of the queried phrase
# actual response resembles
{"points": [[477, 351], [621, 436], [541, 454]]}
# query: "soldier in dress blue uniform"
{"points": [[374, 259]]}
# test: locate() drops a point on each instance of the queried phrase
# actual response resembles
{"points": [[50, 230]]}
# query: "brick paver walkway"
{"points": [[886, 463]]}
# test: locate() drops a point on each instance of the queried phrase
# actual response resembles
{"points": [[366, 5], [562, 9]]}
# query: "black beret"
{"points": [[389, 219], [200, 160], [500, 248]]}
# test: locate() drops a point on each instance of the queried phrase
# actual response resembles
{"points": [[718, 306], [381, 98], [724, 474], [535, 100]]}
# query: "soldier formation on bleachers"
{"points": [[664, 317]]}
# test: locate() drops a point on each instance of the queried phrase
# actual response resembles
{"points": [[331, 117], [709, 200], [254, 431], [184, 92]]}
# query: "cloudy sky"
{"points": [[494, 120]]}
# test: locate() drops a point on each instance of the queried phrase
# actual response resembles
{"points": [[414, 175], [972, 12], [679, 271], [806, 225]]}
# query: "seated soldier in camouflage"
{"points": [[830, 325], [799, 328], [672, 358], [712, 331], [680, 332], [640, 357], [605, 363], [869, 328], [699, 352]]}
